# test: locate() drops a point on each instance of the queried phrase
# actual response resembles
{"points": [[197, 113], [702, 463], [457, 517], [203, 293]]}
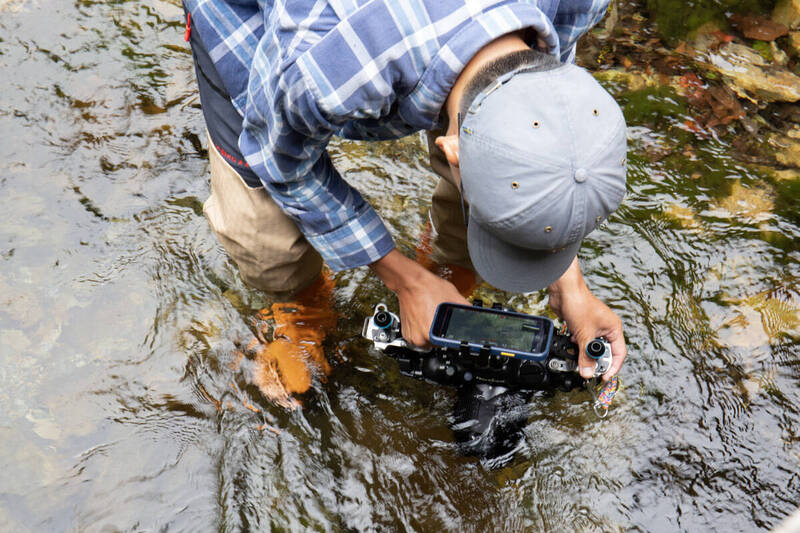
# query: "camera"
{"points": [[493, 346], [496, 358]]}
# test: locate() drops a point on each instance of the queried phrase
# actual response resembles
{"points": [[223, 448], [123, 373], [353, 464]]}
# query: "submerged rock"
{"points": [[683, 215], [786, 175], [794, 43], [628, 80], [779, 57], [787, 12], [705, 37], [759, 27], [751, 77], [787, 147], [755, 203], [779, 313]]}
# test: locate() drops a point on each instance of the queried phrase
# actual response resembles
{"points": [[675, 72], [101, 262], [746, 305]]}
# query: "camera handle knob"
{"points": [[600, 351], [382, 319], [596, 348]]}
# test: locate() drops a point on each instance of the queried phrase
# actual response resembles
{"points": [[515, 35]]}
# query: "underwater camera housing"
{"points": [[493, 346]]}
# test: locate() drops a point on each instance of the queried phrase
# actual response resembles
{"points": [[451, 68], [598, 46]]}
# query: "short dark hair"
{"points": [[533, 60]]}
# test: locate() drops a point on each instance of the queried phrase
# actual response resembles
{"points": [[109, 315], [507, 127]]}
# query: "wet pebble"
{"points": [[794, 43], [787, 12]]}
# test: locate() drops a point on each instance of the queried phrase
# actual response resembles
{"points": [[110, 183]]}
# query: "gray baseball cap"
{"points": [[542, 162]]}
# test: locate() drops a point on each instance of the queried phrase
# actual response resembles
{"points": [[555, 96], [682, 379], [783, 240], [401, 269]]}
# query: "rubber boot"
{"points": [[284, 366]]}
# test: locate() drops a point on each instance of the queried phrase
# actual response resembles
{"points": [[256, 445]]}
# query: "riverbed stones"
{"points": [[787, 147], [794, 43], [785, 174], [755, 203], [627, 80], [751, 77], [705, 37], [779, 57], [787, 12], [683, 215]]}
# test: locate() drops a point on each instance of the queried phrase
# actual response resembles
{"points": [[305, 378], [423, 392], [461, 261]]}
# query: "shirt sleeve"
{"points": [[284, 141]]}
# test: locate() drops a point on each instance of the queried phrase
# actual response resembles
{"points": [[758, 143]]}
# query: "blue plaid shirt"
{"points": [[301, 71]]}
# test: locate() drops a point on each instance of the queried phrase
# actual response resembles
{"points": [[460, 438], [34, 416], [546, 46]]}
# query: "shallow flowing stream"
{"points": [[122, 405]]}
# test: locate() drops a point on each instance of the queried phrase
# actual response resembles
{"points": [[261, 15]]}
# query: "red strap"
{"points": [[188, 31]]}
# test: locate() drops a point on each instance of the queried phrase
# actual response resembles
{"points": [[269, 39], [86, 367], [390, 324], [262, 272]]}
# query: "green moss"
{"points": [[658, 107], [764, 50], [676, 18]]}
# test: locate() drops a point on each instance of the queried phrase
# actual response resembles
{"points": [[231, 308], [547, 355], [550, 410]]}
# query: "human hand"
{"points": [[419, 291], [587, 318]]}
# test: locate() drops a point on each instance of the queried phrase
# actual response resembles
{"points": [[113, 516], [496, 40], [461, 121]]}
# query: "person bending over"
{"points": [[530, 148]]}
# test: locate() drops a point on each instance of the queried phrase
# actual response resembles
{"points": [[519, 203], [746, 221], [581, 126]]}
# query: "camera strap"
{"points": [[602, 401]]}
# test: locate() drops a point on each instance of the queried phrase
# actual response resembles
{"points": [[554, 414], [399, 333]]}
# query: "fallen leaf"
{"points": [[724, 105], [722, 36]]}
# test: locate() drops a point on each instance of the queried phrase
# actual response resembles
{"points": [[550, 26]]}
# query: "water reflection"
{"points": [[125, 404]]}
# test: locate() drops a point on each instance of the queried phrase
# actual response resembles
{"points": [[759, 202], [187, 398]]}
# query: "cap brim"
{"points": [[512, 268]]}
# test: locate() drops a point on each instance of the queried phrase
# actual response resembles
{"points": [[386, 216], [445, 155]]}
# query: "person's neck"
{"points": [[503, 45]]}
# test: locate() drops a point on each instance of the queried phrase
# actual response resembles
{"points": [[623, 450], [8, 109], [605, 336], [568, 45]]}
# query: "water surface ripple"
{"points": [[123, 405]]}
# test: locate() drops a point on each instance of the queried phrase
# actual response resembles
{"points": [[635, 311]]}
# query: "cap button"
{"points": [[580, 175]]}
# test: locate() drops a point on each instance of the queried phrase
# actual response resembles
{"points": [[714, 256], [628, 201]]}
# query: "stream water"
{"points": [[121, 410]]}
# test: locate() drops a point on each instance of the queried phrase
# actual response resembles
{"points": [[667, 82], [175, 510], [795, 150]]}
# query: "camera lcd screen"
{"points": [[522, 334]]}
